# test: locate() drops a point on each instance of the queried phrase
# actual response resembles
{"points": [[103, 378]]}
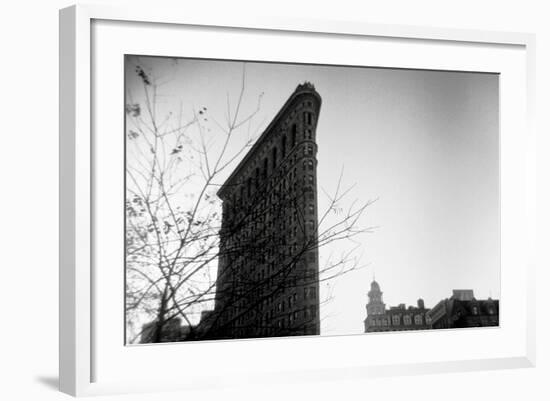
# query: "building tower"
{"points": [[268, 275], [375, 306]]}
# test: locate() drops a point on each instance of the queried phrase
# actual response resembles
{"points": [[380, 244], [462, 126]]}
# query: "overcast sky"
{"points": [[423, 143]]}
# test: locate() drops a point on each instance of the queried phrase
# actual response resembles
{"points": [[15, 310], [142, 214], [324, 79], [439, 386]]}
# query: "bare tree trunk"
{"points": [[159, 330]]}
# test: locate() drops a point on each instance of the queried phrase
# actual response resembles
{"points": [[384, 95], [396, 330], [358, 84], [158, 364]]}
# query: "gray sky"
{"points": [[424, 143]]}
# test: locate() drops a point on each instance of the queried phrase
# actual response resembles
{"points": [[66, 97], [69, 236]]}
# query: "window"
{"points": [[475, 311], [274, 157], [407, 320], [395, 320], [265, 168], [307, 117], [293, 132], [418, 319], [428, 319], [313, 312]]}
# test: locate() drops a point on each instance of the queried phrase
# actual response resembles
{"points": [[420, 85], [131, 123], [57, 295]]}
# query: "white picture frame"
{"points": [[79, 346]]}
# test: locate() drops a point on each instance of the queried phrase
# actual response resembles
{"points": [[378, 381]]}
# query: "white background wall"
{"points": [[28, 198]]}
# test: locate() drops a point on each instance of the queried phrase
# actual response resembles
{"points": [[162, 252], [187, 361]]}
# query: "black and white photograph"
{"points": [[268, 199]]}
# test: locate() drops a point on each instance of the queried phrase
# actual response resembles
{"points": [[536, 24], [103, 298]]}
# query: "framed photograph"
{"points": [[277, 200]]}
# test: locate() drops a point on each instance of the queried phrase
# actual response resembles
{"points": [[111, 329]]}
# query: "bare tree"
{"points": [[173, 222]]}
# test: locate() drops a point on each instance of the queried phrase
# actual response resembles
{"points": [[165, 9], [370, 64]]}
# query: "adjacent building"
{"points": [[396, 318], [171, 331], [462, 310]]}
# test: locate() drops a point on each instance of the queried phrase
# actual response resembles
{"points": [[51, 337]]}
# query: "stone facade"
{"points": [[267, 283]]}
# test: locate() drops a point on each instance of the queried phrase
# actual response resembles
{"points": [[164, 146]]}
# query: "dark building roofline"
{"points": [[305, 88]]}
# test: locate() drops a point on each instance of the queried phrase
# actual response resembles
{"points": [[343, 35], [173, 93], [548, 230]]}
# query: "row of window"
{"points": [[287, 230], [284, 146], [285, 303], [274, 245], [286, 322], [278, 188], [309, 312], [396, 320]]}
